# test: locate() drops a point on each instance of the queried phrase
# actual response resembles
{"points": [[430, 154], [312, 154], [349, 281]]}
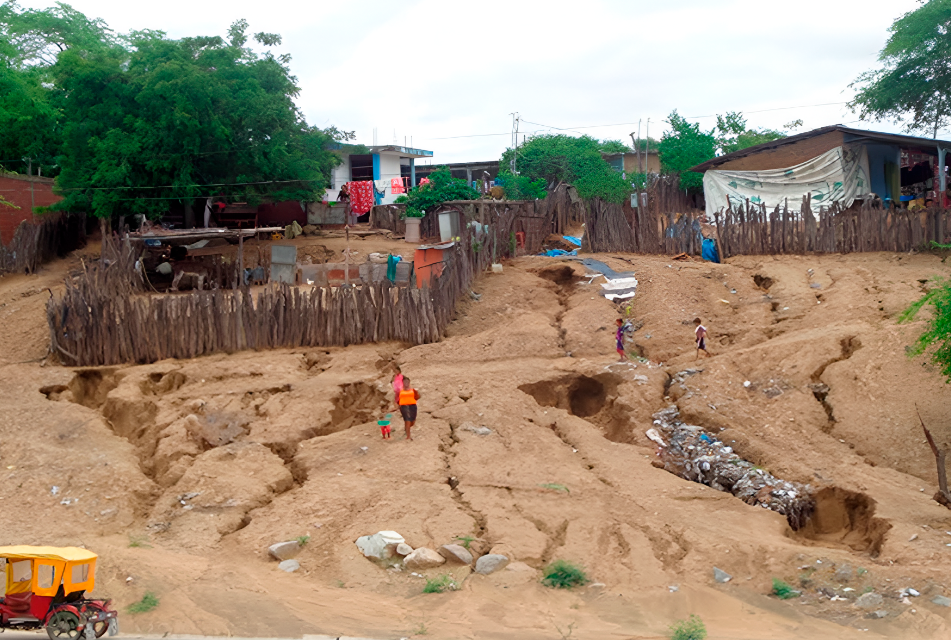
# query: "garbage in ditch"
{"points": [[693, 454]]}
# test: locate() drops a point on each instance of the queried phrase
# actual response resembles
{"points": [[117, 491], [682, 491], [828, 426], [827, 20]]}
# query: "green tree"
{"points": [[733, 135], [685, 146], [522, 187], [154, 121], [575, 160], [913, 85], [442, 188]]}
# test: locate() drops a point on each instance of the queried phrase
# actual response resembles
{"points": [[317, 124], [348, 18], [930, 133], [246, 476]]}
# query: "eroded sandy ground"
{"points": [[181, 473]]}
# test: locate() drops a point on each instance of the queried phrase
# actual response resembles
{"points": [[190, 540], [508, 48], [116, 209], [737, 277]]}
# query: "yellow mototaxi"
{"points": [[46, 587]]}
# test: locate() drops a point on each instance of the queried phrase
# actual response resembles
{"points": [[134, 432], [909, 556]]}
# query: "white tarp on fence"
{"points": [[838, 175]]}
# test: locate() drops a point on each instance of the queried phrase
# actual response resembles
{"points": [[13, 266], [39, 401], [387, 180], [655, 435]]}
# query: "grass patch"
{"points": [[690, 629], [420, 630], [562, 574], [554, 486], [136, 542], [440, 584], [148, 602], [784, 591], [465, 540], [302, 540]]}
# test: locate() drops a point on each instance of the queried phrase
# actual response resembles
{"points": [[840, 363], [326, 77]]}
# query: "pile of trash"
{"points": [[691, 453]]}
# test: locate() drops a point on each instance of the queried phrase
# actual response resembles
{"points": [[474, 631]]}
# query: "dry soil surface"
{"points": [[181, 473]]}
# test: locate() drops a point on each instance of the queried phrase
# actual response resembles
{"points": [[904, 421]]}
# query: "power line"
{"points": [[623, 124]]}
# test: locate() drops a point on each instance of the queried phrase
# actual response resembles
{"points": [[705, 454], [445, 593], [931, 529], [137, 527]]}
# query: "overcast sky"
{"points": [[446, 74]]}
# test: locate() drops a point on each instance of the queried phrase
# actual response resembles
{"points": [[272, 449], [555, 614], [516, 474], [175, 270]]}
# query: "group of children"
{"points": [[624, 327], [406, 397]]}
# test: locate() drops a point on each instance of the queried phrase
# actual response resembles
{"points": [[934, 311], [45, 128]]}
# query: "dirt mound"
{"points": [[530, 442]]}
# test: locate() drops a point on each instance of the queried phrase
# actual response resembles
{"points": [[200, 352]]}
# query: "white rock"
{"points": [[289, 566], [491, 563], [404, 549], [423, 558], [284, 550], [381, 545]]}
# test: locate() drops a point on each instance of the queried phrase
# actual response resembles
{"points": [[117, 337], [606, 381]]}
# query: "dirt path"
{"points": [[180, 473]]}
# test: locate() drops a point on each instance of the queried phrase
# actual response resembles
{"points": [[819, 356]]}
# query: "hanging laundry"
{"points": [[361, 196], [396, 186], [423, 181], [380, 186]]}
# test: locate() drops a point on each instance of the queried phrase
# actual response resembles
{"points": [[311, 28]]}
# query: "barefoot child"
{"points": [[621, 329], [385, 426], [701, 333], [407, 401]]}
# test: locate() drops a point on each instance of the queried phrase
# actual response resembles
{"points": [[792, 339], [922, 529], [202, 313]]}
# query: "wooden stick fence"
{"points": [[33, 244], [752, 229], [105, 317]]}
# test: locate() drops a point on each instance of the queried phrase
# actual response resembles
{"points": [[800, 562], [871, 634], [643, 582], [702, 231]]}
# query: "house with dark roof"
{"points": [[834, 164]]}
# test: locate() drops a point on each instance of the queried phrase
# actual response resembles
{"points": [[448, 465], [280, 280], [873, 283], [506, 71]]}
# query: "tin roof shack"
{"points": [[381, 165], [832, 164], [631, 163], [21, 194]]}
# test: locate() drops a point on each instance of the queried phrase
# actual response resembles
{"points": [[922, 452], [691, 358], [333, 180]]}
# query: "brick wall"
{"points": [[15, 188]]}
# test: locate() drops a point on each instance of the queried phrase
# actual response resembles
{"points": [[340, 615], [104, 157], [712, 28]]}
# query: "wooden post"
{"points": [[240, 258]]}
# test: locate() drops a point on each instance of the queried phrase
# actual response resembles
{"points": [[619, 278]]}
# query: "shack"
{"points": [[834, 164]]}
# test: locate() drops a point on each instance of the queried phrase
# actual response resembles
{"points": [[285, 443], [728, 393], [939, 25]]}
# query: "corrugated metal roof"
{"points": [[859, 133]]}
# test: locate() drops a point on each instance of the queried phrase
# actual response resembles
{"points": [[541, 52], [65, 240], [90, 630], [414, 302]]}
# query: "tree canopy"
{"points": [[136, 122], [913, 85], [732, 134], [442, 188], [554, 158], [685, 146]]}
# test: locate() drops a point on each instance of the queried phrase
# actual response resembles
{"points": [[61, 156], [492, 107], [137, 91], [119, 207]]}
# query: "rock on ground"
{"points": [[404, 549], [289, 566], [942, 601], [870, 600], [381, 545], [491, 563], [455, 553], [423, 558], [284, 550]]}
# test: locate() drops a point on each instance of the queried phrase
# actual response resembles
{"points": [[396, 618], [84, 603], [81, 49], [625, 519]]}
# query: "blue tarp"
{"points": [[709, 250], [573, 240], [554, 253]]}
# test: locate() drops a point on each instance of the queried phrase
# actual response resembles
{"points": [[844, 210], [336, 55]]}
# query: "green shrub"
{"points": [[302, 540], [465, 540], [148, 602], [562, 574], [690, 629], [440, 584], [784, 591]]}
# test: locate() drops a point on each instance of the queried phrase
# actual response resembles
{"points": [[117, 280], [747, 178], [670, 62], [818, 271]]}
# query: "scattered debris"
{"points": [[479, 431], [870, 600], [697, 456], [721, 576]]}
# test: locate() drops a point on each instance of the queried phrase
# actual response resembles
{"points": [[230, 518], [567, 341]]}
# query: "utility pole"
{"points": [[515, 121], [29, 172], [648, 142]]}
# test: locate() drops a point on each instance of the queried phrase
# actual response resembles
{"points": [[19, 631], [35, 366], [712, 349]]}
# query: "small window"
{"points": [[80, 573], [44, 576], [22, 570]]}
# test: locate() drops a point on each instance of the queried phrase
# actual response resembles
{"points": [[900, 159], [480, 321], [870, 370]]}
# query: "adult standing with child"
{"points": [[406, 398]]}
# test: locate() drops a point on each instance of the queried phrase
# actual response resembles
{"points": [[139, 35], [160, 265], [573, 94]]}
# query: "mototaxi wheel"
{"points": [[63, 625]]}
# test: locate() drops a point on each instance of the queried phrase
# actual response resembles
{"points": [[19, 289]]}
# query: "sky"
{"points": [[447, 76]]}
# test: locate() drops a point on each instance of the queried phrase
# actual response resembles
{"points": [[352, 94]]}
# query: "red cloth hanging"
{"points": [[396, 186], [361, 196]]}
